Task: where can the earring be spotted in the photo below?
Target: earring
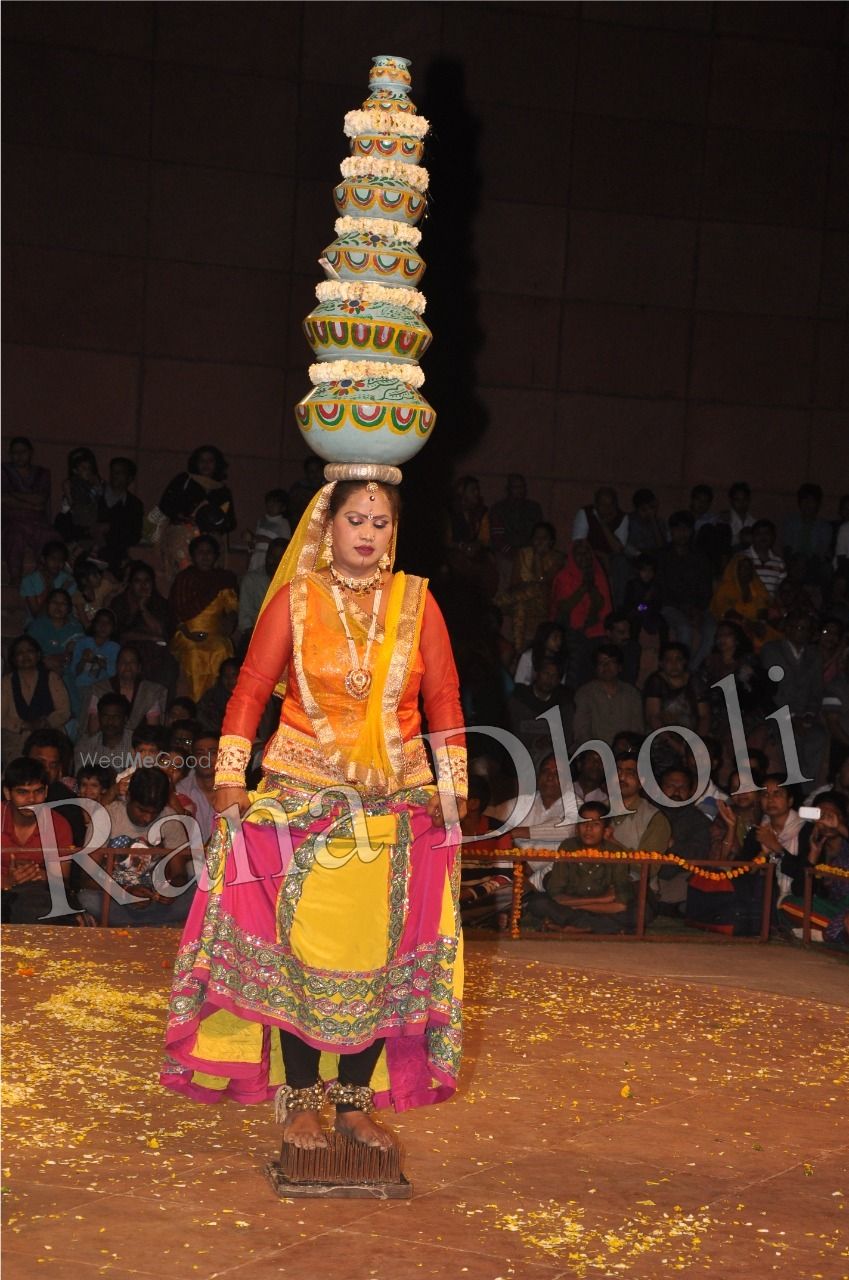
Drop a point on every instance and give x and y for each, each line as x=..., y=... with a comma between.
x=384, y=562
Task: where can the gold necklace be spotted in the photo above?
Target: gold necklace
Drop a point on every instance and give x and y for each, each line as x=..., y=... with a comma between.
x=358, y=679
x=360, y=586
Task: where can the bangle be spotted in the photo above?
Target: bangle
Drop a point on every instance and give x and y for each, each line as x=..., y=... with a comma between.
x=233, y=756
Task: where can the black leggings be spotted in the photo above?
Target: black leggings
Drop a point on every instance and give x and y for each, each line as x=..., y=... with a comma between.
x=301, y=1063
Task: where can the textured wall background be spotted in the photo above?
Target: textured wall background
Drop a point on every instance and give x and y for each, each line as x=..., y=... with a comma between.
x=649, y=245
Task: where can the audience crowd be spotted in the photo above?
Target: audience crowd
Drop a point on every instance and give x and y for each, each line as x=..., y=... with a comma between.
x=702, y=623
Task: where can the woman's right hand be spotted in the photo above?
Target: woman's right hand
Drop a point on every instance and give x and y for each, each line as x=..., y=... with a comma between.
x=225, y=797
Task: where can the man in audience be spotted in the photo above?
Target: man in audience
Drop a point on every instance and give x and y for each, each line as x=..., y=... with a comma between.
x=738, y=516
x=147, y=698
x=801, y=689
x=198, y=786
x=606, y=705
x=586, y=897
x=112, y=745
x=690, y=838
x=51, y=575
x=769, y=567
x=808, y=535
x=120, y=514
x=255, y=583
x=529, y=701
x=647, y=530
x=53, y=750
x=643, y=826
x=486, y=887
x=26, y=895
x=513, y=518
x=213, y=703
x=685, y=582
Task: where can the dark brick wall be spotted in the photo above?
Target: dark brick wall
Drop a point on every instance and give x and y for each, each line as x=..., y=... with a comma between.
x=651, y=229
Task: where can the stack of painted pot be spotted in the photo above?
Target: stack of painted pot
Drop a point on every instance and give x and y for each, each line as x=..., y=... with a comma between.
x=367, y=331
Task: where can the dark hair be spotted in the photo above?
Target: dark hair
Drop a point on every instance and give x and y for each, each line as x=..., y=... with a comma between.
x=701, y=491
x=189, y=703
x=141, y=566
x=479, y=789
x=345, y=488
x=642, y=496
x=645, y=562
x=12, y=651
x=739, y=486
x=55, y=544
x=22, y=770
x=103, y=613
x=835, y=798
x=114, y=700
x=784, y=785
x=763, y=524
x=189, y=727
x=78, y=455
x=742, y=643
x=220, y=472
x=58, y=591
x=760, y=759
x=132, y=469
x=202, y=731
x=50, y=738
x=105, y=775
x=608, y=489
x=278, y=495
x=24, y=440
x=541, y=637
x=597, y=806
x=809, y=491
x=672, y=646
x=84, y=568
x=635, y=740
x=677, y=768
x=197, y=543
x=610, y=651
x=132, y=648
x=149, y=788
x=625, y=755
x=549, y=529
x=680, y=518
x=150, y=733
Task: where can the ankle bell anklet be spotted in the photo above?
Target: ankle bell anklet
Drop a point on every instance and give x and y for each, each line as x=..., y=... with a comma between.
x=352, y=1095
x=287, y=1099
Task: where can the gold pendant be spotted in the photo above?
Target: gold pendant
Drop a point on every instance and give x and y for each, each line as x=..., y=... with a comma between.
x=358, y=682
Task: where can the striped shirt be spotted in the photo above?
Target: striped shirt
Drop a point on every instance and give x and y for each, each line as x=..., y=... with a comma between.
x=771, y=571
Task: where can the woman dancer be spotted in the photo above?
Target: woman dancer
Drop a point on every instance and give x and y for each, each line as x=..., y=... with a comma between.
x=341, y=944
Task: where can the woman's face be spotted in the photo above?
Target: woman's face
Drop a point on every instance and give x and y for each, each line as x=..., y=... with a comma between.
x=20, y=454
x=103, y=628
x=673, y=663
x=776, y=800
x=26, y=656
x=206, y=463
x=361, y=532
x=541, y=540
x=554, y=643
x=141, y=585
x=204, y=557
x=58, y=608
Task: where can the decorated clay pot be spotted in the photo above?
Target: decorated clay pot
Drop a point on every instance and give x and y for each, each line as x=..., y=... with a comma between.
x=388, y=70
x=360, y=255
x=379, y=198
x=380, y=420
x=353, y=330
x=388, y=146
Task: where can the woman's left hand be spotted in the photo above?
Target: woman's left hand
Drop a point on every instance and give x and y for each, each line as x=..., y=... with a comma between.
x=434, y=810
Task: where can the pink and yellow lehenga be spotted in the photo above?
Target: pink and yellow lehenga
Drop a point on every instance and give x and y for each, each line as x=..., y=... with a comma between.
x=332, y=914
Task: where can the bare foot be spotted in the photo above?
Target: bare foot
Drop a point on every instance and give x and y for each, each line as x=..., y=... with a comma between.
x=361, y=1128
x=303, y=1129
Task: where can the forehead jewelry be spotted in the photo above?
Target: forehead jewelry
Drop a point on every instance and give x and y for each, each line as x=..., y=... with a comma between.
x=371, y=490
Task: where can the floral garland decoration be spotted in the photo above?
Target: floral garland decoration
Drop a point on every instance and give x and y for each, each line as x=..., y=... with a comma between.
x=364, y=291
x=385, y=227
x=339, y=370
x=832, y=871
x=414, y=175
x=377, y=121
x=631, y=855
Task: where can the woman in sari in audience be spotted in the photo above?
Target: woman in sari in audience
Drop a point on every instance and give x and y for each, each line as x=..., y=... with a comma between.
x=205, y=606
x=741, y=597
x=33, y=697
x=534, y=570
x=580, y=602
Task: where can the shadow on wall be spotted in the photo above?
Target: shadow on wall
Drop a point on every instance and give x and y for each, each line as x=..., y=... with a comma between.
x=449, y=285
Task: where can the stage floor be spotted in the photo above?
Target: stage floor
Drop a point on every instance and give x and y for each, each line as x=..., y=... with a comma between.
x=626, y=1110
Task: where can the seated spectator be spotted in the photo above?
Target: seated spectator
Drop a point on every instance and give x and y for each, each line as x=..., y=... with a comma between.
x=533, y=570
x=121, y=514
x=514, y=519
x=780, y=827
x=643, y=826
x=94, y=783
x=181, y=737
x=51, y=574
x=33, y=697
x=711, y=537
x=26, y=897
x=486, y=887
x=272, y=526
x=606, y=704
x=587, y=897
x=647, y=530
x=673, y=695
x=55, y=630
x=801, y=689
x=93, y=658
x=580, y=601
x=797, y=594
x=732, y=655
x=769, y=567
x=547, y=646
x=93, y=590
x=627, y=743
x=255, y=584
x=690, y=839
x=617, y=631
x=174, y=768
x=148, y=743
x=144, y=621
x=467, y=536
x=204, y=605
x=135, y=868
x=529, y=702
x=546, y=813
x=26, y=508
x=606, y=528
x=835, y=712
x=81, y=493
x=52, y=749
x=180, y=709
x=742, y=598
x=685, y=583
x=828, y=844
x=642, y=608
x=146, y=698
x=738, y=517
x=213, y=704
x=730, y=906
x=807, y=535
x=706, y=803
x=199, y=784
x=111, y=746
x=197, y=501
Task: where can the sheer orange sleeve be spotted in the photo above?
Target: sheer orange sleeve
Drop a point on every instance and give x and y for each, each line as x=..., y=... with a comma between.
x=266, y=661
x=440, y=690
